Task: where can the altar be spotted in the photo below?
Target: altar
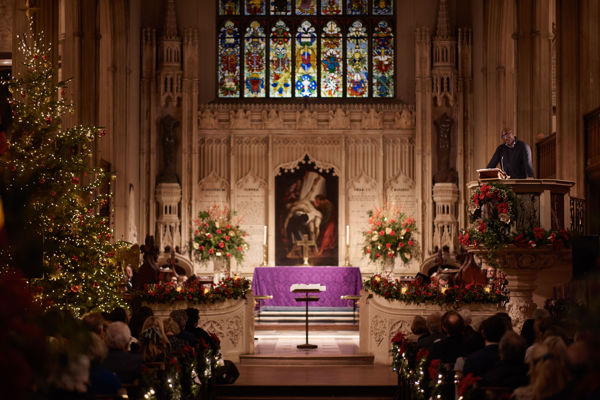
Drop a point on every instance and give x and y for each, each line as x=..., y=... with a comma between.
x=276, y=281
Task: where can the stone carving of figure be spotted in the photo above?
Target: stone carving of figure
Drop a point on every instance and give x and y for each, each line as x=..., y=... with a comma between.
x=404, y=119
x=208, y=119
x=370, y=119
x=272, y=119
x=338, y=119
x=306, y=119
x=240, y=119
x=168, y=127
x=445, y=172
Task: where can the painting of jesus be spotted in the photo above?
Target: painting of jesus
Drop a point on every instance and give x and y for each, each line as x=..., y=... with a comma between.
x=306, y=202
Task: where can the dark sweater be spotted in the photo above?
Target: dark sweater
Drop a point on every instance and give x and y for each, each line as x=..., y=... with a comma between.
x=515, y=161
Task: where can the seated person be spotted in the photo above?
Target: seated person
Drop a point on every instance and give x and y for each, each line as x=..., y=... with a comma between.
x=481, y=361
x=126, y=365
x=451, y=346
x=511, y=370
x=154, y=344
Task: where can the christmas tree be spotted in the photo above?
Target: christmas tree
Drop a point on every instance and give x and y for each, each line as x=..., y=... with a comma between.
x=47, y=173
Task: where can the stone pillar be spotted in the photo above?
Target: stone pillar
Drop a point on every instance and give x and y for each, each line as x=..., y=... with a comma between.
x=445, y=225
x=168, y=224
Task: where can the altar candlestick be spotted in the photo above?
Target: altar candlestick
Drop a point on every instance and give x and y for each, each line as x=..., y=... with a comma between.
x=265, y=236
x=347, y=235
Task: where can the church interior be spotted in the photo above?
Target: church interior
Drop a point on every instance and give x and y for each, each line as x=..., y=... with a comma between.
x=193, y=190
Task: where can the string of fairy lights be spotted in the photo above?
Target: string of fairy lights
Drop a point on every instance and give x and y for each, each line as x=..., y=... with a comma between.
x=52, y=164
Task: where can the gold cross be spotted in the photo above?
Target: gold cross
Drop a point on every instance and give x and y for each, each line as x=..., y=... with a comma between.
x=305, y=243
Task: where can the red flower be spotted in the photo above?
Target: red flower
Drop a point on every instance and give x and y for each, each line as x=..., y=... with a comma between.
x=388, y=245
x=75, y=180
x=538, y=233
x=483, y=227
x=75, y=288
x=381, y=233
x=201, y=248
x=210, y=251
x=228, y=255
x=219, y=231
x=393, y=233
x=239, y=248
x=466, y=382
x=221, y=244
x=410, y=242
x=433, y=369
x=227, y=238
x=399, y=337
x=228, y=226
x=422, y=353
x=368, y=251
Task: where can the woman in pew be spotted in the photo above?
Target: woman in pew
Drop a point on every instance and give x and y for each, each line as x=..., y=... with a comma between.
x=154, y=344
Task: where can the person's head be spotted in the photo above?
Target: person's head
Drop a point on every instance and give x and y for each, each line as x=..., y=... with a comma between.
x=419, y=325
x=180, y=317
x=493, y=328
x=137, y=319
x=490, y=273
x=528, y=332
x=98, y=349
x=95, y=322
x=153, y=340
x=171, y=327
x=508, y=136
x=193, y=318
x=466, y=315
x=118, y=314
x=512, y=348
x=506, y=318
x=434, y=322
x=556, y=345
x=444, y=280
x=547, y=373
x=117, y=336
x=452, y=323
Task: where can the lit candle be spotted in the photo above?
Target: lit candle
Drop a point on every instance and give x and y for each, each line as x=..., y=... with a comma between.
x=347, y=235
x=265, y=236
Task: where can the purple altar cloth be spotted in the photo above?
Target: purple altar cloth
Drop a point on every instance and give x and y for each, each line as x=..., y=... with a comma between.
x=276, y=281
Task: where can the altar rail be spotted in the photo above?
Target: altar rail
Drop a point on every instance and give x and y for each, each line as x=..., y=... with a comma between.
x=231, y=320
x=380, y=319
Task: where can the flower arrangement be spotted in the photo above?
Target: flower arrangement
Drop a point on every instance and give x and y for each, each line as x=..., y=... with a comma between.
x=411, y=292
x=491, y=214
x=217, y=235
x=492, y=210
x=194, y=292
x=390, y=235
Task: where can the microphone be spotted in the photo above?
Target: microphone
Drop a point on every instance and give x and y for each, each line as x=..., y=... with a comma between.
x=502, y=163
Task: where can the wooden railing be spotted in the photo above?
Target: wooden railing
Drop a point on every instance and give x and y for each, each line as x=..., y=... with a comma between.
x=546, y=157
x=577, y=212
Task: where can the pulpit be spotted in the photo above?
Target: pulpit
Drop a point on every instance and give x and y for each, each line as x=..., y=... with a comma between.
x=540, y=203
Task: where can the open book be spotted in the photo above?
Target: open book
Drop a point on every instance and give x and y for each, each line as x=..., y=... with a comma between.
x=307, y=287
x=491, y=173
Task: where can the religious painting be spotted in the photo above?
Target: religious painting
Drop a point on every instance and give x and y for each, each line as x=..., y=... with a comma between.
x=306, y=214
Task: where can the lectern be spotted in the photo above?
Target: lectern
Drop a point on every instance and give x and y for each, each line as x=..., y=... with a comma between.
x=306, y=289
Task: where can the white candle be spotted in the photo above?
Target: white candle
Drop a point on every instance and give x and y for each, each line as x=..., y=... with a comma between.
x=347, y=235
x=265, y=236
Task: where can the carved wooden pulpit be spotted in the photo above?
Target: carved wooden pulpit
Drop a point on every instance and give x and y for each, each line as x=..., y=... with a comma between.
x=541, y=203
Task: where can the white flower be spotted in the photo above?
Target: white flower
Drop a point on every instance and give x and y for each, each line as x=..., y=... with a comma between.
x=388, y=231
x=196, y=245
x=231, y=233
x=403, y=232
x=374, y=237
x=408, y=256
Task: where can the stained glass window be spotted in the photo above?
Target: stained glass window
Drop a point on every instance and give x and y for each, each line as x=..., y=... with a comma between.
x=306, y=61
x=306, y=49
x=229, y=61
x=357, y=58
x=229, y=7
x=306, y=7
x=281, y=7
x=254, y=60
x=383, y=61
x=331, y=7
x=280, y=59
x=332, y=62
x=255, y=7
x=356, y=7
x=383, y=7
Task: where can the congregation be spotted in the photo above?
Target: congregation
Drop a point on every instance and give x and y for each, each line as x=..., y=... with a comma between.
x=545, y=360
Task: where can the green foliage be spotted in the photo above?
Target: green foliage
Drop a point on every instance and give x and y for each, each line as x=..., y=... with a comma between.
x=48, y=168
x=194, y=292
x=410, y=292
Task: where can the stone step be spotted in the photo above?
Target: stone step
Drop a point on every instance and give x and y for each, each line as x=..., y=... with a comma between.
x=306, y=359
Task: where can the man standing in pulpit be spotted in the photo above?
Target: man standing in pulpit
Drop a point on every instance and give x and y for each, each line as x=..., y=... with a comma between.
x=514, y=157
